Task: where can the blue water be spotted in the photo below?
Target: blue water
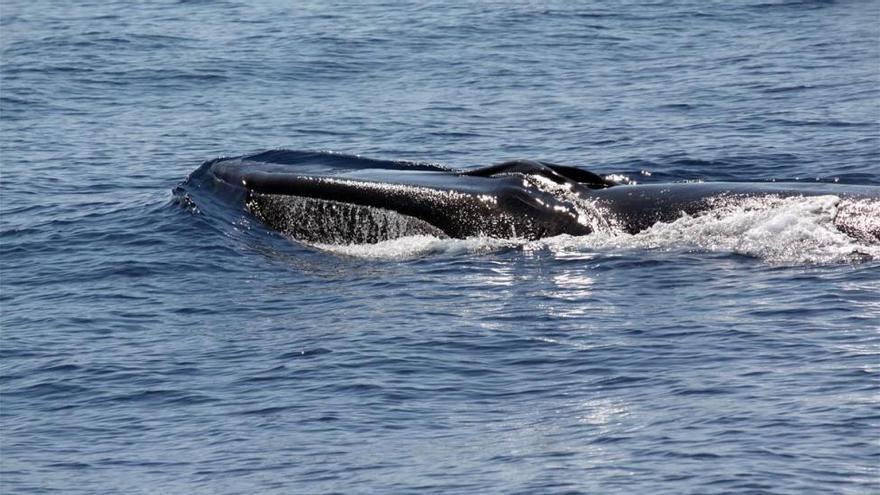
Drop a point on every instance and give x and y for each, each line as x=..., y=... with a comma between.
x=148, y=347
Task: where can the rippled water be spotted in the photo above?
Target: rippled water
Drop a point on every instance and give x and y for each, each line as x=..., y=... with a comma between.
x=146, y=348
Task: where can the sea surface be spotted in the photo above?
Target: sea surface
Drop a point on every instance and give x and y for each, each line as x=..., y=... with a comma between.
x=149, y=347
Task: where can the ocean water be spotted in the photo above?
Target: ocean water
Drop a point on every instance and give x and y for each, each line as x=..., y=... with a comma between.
x=150, y=347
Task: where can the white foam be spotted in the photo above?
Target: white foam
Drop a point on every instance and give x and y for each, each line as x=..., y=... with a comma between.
x=795, y=230
x=419, y=245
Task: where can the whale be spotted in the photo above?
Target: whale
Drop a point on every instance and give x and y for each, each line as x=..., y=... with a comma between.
x=339, y=199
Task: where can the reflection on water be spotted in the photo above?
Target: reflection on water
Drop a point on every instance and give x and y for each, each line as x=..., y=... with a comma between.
x=573, y=290
x=603, y=413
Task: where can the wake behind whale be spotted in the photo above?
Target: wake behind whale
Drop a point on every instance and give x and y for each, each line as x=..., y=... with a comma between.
x=331, y=201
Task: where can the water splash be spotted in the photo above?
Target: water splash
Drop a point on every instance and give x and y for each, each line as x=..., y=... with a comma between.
x=418, y=246
x=795, y=230
x=588, y=212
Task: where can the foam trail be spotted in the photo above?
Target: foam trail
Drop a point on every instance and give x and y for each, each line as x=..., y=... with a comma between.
x=419, y=245
x=795, y=230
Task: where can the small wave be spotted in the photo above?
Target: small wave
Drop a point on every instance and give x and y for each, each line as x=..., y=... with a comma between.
x=796, y=230
x=417, y=246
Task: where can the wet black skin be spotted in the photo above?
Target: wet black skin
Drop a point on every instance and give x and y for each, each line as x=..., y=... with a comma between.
x=520, y=198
